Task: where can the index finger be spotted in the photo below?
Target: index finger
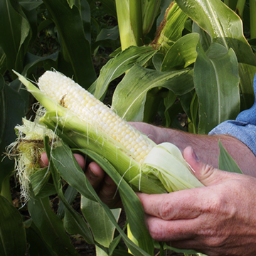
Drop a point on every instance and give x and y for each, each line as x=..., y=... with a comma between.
x=44, y=162
x=184, y=204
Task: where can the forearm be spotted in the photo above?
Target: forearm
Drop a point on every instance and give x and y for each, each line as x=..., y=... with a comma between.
x=207, y=147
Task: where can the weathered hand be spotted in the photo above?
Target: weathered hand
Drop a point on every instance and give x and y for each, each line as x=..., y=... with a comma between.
x=218, y=219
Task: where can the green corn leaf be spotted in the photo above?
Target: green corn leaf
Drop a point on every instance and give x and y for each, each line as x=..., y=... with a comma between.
x=15, y=30
x=226, y=162
x=3, y=62
x=130, y=95
x=109, y=7
x=39, y=180
x=182, y=53
x=157, y=60
x=194, y=112
x=163, y=7
x=37, y=244
x=150, y=9
x=10, y=115
x=246, y=74
x=50, y=226
x=168, y=102
x=107, y=38
x=75, y=59
x=221, y=100
x=120, y=64
x=76, y=223
x=85, y=12
x=205, y=39
x=171, y=27
x=101, y=226
x=70, y=194
x=13, y=237
x=71, y=3
x=73, y=174
x=222, y=24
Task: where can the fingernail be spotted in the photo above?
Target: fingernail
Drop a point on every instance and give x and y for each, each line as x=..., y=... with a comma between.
x=42, y=162
x=92, y=173
x=194, y=155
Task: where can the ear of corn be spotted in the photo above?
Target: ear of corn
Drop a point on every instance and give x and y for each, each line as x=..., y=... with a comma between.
x=85, y=122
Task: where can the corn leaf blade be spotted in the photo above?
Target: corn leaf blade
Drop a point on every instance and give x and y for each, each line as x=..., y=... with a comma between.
x=13, y=237
x=10, y=115
x=73, y=174
x=102, y=228
x=75, y=46
x=15, y=28
x=221, y=100
x=226, y=162
x=130, y=95
x=70, y=195
x=211, y=15
x=76, y=223
x=246, y=74
x=120, y=64
x=182, y=53
x=171, y=26
x=50, y=225
x=37, y=244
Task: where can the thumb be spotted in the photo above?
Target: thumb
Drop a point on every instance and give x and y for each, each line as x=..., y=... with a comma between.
x=205, y=173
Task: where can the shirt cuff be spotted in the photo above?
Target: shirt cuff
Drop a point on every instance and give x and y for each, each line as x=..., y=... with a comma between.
x=243, y=131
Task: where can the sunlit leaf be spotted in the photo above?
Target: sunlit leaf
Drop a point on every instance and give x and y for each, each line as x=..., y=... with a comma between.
x=118, y=65
x=222, y=24
x=130, y=95
x=182, y=53
x=171, y=27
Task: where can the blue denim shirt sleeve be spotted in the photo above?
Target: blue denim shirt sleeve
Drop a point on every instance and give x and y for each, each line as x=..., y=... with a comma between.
x=243, y=128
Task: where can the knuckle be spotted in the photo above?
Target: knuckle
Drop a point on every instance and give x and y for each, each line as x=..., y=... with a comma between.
x=208, y=170
x=165, y=211
x=156, y=232
x=215, y=242
x=212, y=237
x=214, y=204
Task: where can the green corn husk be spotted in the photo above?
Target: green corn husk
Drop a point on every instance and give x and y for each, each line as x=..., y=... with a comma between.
x=164, y=169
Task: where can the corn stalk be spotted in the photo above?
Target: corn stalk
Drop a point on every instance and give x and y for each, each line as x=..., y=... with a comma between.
x=135, y=19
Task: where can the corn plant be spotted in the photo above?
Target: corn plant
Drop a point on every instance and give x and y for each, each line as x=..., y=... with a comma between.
x=176, y=57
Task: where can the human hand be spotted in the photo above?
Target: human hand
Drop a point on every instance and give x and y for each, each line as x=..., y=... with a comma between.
x=218, y=219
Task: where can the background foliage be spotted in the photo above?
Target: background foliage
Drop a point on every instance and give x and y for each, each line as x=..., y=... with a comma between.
x=182, y=64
